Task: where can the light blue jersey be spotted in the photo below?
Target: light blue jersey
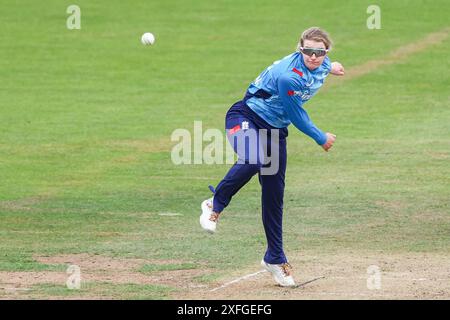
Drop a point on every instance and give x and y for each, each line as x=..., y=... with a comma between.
x=290, y=84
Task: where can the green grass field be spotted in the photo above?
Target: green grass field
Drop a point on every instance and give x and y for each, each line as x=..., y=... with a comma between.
x=86, y=118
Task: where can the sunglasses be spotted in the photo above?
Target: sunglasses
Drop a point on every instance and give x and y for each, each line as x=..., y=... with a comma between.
x=310, y=51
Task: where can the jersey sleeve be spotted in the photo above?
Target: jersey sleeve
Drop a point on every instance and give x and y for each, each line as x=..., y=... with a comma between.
x=289, y=90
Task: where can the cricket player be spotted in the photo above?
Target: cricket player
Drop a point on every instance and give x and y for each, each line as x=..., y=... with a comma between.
x=273, y=101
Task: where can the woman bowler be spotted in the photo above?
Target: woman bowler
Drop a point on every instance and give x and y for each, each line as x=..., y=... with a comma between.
x=257, y=128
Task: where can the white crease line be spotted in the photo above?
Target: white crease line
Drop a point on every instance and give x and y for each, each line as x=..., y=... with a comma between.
x=238, y=279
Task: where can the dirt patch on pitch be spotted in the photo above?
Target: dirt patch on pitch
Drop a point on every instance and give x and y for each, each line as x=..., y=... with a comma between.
x=98, y=269
x=393, y=57
x=349, y=276
x=340, y=276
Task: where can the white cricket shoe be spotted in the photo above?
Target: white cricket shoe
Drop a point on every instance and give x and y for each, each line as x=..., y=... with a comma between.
x=208, y=218
x=282, y=273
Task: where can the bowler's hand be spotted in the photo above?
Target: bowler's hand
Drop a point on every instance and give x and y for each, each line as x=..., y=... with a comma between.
x=331, y=138
x=337, y=69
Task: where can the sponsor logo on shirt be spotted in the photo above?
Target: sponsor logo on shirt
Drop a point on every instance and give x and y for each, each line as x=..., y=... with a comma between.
x=294, y=93
x=303, y=95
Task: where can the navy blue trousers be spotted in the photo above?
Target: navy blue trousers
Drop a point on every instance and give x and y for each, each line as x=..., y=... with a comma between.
x=240, y=119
